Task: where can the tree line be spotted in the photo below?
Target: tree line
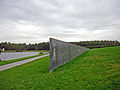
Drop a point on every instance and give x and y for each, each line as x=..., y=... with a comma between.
x=45, y=45
x=98, y=43
x=24, y=46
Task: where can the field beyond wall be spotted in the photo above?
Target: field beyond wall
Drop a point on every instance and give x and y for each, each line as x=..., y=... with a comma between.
x=96, y=69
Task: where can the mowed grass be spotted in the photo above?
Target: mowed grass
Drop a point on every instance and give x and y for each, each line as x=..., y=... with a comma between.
x=96, y=69
x=19, y=59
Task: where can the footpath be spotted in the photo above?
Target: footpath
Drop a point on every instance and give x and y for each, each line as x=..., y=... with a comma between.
x=7, y=66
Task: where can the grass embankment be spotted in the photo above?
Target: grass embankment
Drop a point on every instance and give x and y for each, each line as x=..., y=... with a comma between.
x=97, y=69
x=19, y=59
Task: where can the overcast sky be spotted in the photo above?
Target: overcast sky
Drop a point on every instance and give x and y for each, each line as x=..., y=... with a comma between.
x=34, y=21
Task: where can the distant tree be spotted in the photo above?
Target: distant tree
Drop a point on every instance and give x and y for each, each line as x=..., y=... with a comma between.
x=45, y=45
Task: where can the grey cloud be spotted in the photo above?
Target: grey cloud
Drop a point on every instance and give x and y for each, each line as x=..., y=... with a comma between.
x=59, y=18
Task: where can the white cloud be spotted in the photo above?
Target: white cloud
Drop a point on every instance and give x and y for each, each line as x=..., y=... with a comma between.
x=74, y=20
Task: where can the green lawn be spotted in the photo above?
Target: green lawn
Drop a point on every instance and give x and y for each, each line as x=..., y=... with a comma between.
x=19, y=59
x=97, y=69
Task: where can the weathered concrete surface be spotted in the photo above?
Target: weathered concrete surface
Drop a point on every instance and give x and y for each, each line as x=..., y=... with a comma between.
x=7, y=66
x=62, y=52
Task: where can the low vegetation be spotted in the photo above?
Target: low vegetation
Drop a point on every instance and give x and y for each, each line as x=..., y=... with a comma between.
x=97, y=69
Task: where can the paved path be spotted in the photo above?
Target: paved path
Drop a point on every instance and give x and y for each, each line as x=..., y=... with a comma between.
x=7, y=66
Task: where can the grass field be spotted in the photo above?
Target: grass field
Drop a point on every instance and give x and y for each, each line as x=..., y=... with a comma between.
x=97, y=69
x=19, y=59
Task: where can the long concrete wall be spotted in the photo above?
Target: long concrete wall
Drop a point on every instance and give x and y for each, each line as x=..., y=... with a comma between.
x=62, y=52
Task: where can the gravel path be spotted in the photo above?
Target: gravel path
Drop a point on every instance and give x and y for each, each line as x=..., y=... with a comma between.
x=7, y=66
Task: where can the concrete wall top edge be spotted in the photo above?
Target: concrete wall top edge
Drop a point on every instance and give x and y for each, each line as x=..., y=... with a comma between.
x=65, y=42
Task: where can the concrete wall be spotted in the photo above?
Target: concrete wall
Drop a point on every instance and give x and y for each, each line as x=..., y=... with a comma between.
x=62, y=52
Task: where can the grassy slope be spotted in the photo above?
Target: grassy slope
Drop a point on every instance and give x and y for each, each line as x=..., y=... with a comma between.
x=96, y=69
x=19, y=59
